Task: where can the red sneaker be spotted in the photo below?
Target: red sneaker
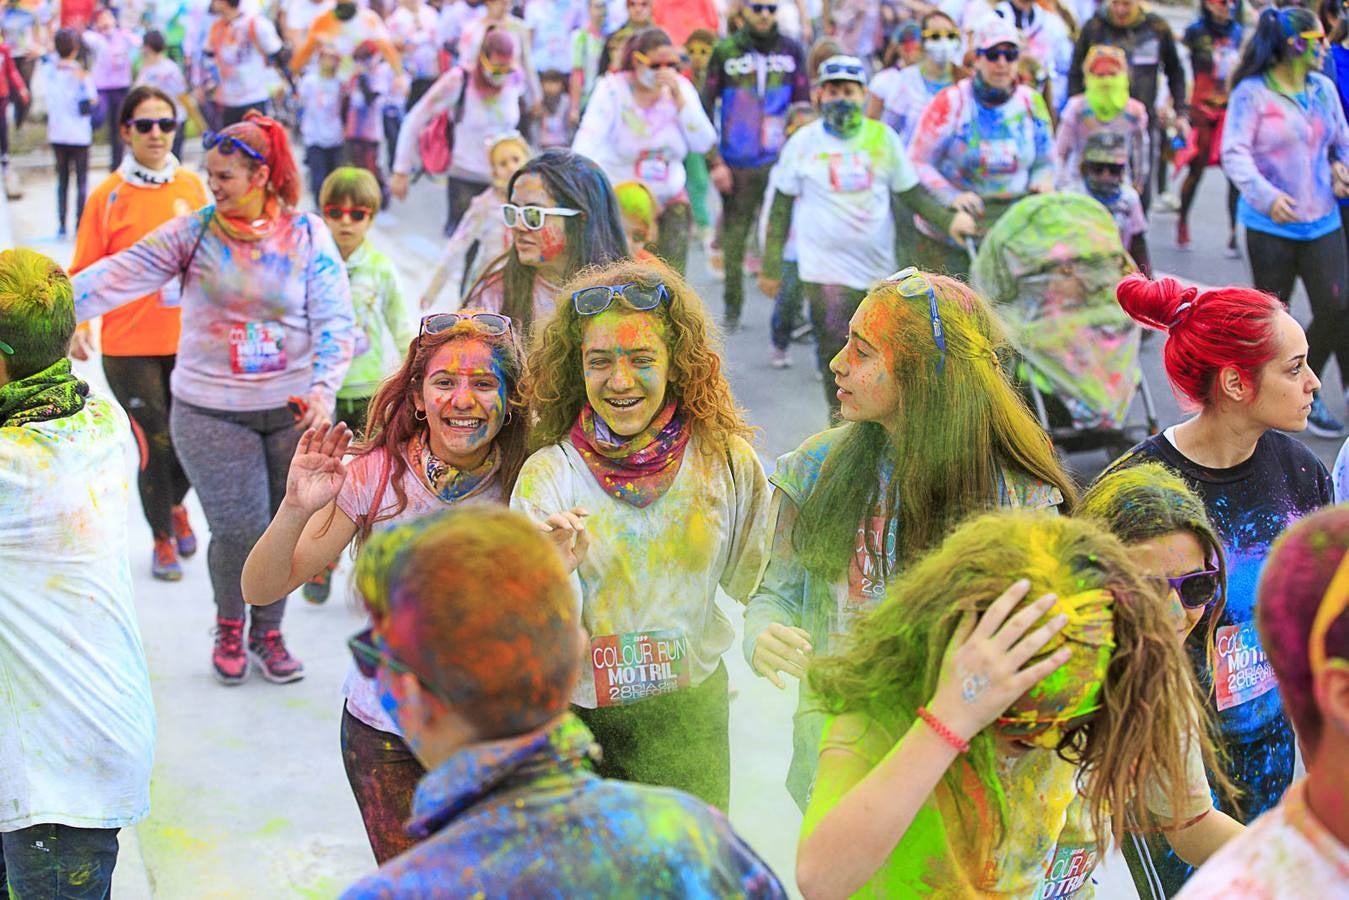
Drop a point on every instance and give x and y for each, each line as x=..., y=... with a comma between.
x=182, y=532
x=1183, y=235
x=269, y=651
x=229, y=659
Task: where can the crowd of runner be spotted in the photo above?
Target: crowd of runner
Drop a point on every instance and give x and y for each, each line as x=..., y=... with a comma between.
x=547, y=480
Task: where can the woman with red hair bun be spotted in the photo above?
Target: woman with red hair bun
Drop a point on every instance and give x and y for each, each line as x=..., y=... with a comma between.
x=267, y=335
x=1239, y=358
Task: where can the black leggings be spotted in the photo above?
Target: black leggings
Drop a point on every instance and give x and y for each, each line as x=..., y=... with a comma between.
x=738, y=211
x=25, y=66
x=141, y=385
x=460, y=193
x=71, y=158
x=1205, y=133
x=111, y=101
x=1323, y=266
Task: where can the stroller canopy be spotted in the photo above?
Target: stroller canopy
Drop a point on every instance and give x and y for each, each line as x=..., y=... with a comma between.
x=1050, y=266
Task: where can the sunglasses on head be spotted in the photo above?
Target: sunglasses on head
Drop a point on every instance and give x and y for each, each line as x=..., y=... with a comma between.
x=1001, y=53
x=1195, y=589
x=370, y=656
x=592, y=301
x=762, y=8
x=532, y=216
x=913, y=283
x=1104, y=168
x=941, y=35
x=143, y=126
x=228, y=144
x=356, y=213
x=833, y=71
x=646, y=61
x=492, y=323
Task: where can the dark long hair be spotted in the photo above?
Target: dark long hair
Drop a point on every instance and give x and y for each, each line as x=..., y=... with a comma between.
x=594, y=238
x=1269, y=46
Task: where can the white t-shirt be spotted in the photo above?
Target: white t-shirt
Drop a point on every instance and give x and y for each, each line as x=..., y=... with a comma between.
x=414, y=33
x=241, y=49
x=77, y=721
x=67, y=85
x=647, y=145
x=321, y=100
x=300, y=14
x=355, y=498
x=165, y=75
x=1286, y=852
x=551, y=23
x=904, y=94
x=844, y=228
x=657, y=569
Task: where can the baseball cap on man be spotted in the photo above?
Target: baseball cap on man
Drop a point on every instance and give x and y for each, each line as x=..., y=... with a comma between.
x=994, y=31
x=842, y=68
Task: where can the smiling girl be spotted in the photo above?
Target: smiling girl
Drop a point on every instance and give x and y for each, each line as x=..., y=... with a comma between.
x=646, y=482
x=1241, y=359
x=446, y=428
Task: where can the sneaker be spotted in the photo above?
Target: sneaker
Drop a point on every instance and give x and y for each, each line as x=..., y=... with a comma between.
x=1232, y=251
x=716, y=265
x=182, y=532
x=317, y=589
x=269, y=651
x=1167, y=203
x=730, y=325
x=1321, y=423
x=781, y=359
x=1182, y=235
x=803, y=334
x=229, y=659
x=164, y=561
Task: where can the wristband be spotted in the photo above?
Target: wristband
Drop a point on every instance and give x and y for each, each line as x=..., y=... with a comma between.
x=942, y=731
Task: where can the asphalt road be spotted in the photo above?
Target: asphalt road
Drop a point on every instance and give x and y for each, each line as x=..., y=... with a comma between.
x=249, y=796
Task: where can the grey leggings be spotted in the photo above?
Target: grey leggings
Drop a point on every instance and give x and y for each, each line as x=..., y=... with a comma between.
x=238, y=462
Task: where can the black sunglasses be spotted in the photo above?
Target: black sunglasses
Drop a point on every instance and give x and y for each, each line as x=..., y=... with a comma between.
x=1195, y=589
x=998, y=54
x=762, y=8
x=369, y=658
x=1100, y=168
x=592, y=301
x=167, y=126
x=941, y=35
x=228, y=143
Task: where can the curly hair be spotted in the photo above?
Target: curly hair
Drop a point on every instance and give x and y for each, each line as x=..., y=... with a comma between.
x=391, y=425
x=891, y=661
x=956, y=427
x=555, y=376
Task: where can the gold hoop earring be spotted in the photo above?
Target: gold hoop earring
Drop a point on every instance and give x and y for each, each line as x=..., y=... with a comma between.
x=419, y=415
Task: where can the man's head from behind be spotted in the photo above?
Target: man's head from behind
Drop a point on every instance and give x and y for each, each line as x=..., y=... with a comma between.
x=478, y=627
x=37, y=314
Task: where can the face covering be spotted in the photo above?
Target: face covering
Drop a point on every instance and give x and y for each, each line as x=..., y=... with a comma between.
x=1107, y=94
x=345, y=11
x=942, y=52
x=989, y=95
x=646, y=78
x=842, y=118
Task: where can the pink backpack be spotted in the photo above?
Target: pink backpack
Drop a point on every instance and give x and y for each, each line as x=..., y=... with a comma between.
x=436, y=140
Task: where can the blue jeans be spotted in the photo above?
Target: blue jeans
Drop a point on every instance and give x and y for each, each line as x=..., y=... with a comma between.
x=47, y=861
x=787, y=313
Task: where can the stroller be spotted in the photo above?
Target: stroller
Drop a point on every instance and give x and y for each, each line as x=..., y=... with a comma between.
x=1049, y=266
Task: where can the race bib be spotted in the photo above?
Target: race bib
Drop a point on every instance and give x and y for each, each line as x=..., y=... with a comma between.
x=866, y=580
x=1225, y=56
x=1242, y=672
x=1067, y=870
x=1146, y=53
x=997, y=157
x=634, y=666
x=652, y=167
x=257, y=347
x=850, y=172
x=773, y=133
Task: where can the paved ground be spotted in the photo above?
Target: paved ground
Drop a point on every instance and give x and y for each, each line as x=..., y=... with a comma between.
x=249, y=795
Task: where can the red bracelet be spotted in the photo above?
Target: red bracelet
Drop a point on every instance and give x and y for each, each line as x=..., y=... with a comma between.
x=942, y=731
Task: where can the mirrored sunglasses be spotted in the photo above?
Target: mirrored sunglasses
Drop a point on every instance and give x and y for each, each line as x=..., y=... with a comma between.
x=592, y=301
x=832, y=71
x=143, y=126
x=912, y=283
x=356, y=213
x=228, y=144
x=532, y=216
x=492, y=323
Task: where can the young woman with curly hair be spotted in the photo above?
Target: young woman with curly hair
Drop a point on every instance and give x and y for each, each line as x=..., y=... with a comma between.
x=447, y=428
x=647, y=483
x=1168, y=533
x=975, y=734
x=933, y=433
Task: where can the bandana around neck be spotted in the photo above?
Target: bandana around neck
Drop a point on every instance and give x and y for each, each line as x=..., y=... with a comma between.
x=448, y=483
x=53, y=393
x=255, y=229
x=637, y=470
x=135, y=174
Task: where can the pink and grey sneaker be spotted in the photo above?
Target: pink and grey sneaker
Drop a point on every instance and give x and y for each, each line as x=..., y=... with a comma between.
x=268, y=650
x=182, y=532
x=229, y=659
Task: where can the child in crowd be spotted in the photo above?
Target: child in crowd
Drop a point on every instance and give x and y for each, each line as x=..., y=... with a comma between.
x=321, y=129
x=698, y=49
x=71, y=100
x=1102, y=176
x=349, y=198
x=1105, y=105
x=787, y=311
x=363, y=98
x=554, y=128
x=637, y=205
x=587, y=44
x=158, y=70
x=481, y=235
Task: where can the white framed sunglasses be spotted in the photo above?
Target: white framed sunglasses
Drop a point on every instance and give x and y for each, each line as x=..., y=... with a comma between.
x=532, y=216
